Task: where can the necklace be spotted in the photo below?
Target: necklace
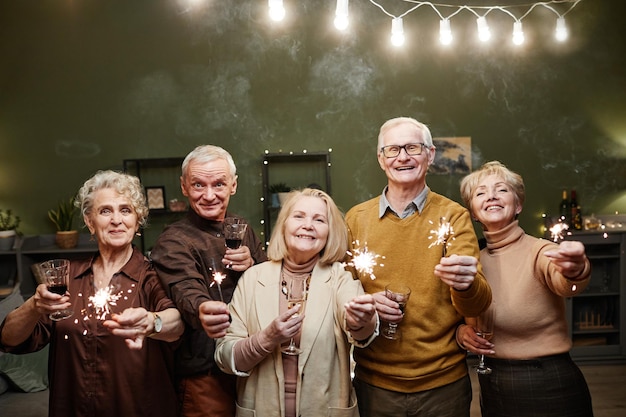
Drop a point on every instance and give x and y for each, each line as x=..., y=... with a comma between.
x=283, y=284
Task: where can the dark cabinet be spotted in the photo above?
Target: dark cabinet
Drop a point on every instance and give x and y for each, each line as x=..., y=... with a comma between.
x=296, y=170
x=596, y=316
x=16, y=265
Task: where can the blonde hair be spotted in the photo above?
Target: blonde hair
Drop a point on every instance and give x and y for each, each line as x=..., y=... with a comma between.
x=512, y=179
x=127, y=185
x=337, y=242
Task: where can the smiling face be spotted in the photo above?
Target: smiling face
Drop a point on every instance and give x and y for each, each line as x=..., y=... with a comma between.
x=405, y=170
x=208, y=186
x=112, y=219
x=306, y=229
x=494, y=204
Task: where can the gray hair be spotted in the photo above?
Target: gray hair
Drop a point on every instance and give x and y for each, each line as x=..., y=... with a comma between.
x=419, y=127
x=208, y=153
x=127, y=185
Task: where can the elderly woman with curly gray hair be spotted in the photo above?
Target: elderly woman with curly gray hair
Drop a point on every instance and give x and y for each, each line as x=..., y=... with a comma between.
x=115, y=361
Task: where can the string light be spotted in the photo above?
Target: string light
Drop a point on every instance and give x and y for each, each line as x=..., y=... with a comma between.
x=484, y=34
x=276, y=10
x=561, y=30
x=518, y=33
x=397, y=32
x=445, y=33
x=341, y=15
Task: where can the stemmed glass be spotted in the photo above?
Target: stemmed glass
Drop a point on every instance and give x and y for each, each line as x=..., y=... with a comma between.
x=296, y=295
x=484, y=329
x=57, y=274
x=234, y=231
x=400, y=294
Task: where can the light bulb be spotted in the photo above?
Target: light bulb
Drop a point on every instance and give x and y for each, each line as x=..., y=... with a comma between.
x=397, y=32
x=341, y=15
x=518, y=33
x=445, y=33
x=277, y=11
x=561, y=30
x=484, y=34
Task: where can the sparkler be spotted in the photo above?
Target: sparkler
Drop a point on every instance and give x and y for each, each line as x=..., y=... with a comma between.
x=363, y=260
x=102, y=301
x=218, y=277
x=557, y=230
x=442, y=235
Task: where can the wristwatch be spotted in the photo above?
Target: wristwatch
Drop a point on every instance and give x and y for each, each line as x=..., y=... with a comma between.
x=158, y=325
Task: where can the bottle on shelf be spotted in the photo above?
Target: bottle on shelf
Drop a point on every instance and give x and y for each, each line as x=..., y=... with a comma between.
x=564, y=209
x=576, y=220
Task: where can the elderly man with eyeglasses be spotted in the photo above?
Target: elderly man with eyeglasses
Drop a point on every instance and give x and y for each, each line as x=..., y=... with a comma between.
x=424, y=371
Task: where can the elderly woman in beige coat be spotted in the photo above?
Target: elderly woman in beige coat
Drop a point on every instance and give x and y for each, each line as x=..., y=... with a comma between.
x=308, y=242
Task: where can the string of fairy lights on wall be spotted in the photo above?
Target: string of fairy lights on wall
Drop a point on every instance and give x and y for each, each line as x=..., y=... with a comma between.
x=446, y=12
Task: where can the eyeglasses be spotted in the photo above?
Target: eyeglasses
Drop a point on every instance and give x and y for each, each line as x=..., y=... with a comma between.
x=412, y=149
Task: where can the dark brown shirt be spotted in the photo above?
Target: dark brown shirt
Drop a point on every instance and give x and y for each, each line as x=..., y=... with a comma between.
x=182, y=256
x=93, y=373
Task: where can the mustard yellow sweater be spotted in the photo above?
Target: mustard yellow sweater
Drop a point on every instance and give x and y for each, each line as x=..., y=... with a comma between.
x=427, y=356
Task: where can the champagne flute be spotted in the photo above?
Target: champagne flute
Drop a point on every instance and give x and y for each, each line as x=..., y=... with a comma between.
x=400, y=294
x=484, y=329
x=297, y=295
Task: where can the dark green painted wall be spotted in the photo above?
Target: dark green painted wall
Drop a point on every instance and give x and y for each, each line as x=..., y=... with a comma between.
x=87, y=84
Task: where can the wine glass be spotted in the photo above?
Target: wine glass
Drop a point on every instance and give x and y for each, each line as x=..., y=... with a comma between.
x=400, y=294
x=484, y=329
x=57, y=275
x=234, y=231
x=296, y=295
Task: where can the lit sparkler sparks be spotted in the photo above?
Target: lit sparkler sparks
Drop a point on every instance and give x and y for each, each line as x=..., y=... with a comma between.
x=442, y=235
x=363, y=260
x=557, y=230
x=218, y=277
x=102, y=301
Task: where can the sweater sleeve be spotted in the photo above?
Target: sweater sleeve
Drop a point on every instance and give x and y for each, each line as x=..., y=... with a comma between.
x=553, y=279
x=476, y=299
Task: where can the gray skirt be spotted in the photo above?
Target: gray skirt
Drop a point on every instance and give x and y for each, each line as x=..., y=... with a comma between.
x=551, y=386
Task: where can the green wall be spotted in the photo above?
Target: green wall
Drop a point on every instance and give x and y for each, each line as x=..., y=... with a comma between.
x=87, y=84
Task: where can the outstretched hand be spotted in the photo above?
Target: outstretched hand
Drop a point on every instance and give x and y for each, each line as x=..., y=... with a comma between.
x=457, y=271
x=569, y=259
x=215, y=318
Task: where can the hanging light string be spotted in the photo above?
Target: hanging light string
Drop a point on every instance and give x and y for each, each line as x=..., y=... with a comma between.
x=277, y=13
x=481, y=12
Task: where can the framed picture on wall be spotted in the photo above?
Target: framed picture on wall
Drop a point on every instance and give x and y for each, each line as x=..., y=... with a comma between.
x=156, y=197
x=453, y=156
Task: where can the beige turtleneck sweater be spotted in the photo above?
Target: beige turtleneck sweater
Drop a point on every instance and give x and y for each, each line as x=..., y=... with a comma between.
x=528, y=293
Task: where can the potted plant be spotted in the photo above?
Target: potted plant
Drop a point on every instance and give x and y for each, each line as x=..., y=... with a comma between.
x=8, y=229
x=63, y=219
x=279, y=193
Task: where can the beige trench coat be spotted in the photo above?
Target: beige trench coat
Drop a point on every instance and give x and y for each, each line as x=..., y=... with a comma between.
x=324, y=386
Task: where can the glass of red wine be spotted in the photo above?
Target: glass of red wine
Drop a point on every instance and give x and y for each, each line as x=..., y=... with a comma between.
x=234, y=231
x=57, y=274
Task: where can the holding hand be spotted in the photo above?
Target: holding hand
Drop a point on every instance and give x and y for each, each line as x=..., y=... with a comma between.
x=467, y=336
x=215, y=318
x=284, y=327
x=238, y=259
x=47, y=302
x=133, y=324
x=388, y=310
x=361, y=316
x=457, y=271
x=569, y=259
